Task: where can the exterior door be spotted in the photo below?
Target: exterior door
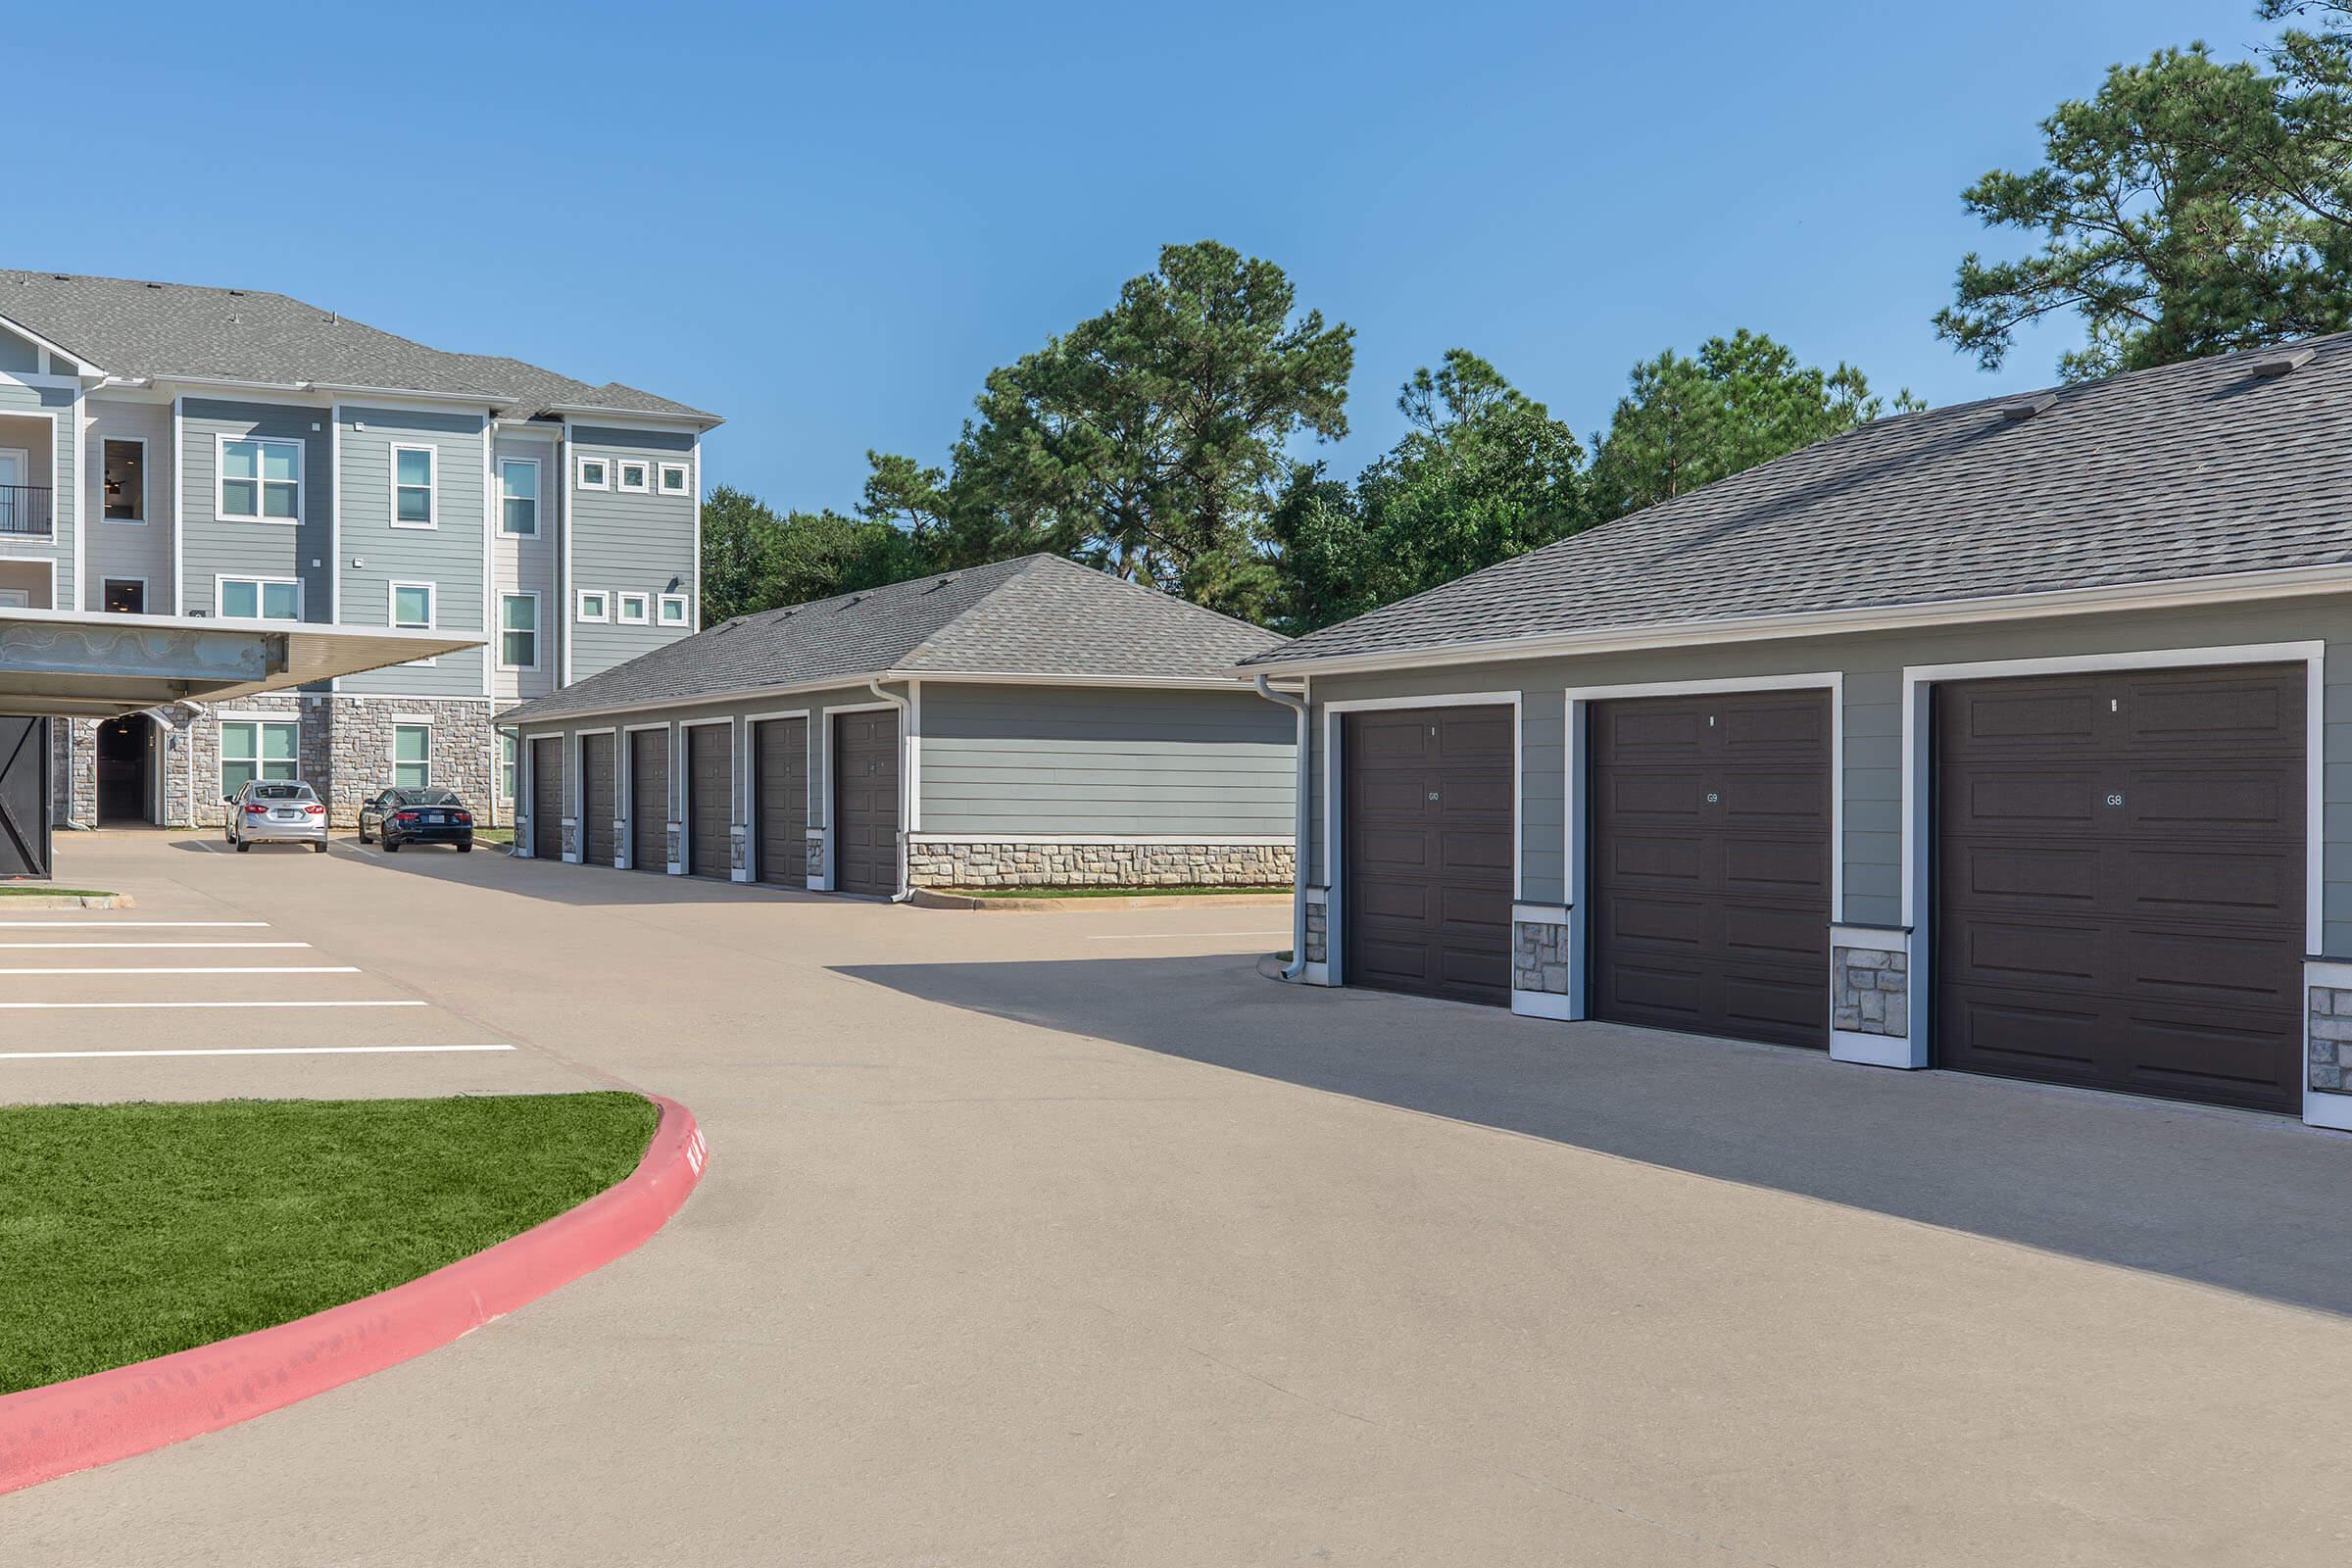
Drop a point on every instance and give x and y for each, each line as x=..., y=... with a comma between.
x=1428, y=851
x=780, y=764
x=546, y=799
x=710, y=799
x=2120, y=881
x=648, y=800
x=596, y=799
x=1710, y=865
x=25, y=807
x=122, y=762
x=21, y=511
x=865, y=803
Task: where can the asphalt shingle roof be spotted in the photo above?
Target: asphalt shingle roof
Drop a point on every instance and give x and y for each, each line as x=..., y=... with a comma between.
x=2187, y=470
x=1037, y=615
x=135, y=328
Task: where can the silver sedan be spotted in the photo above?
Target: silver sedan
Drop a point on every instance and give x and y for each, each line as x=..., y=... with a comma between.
x=271, y=813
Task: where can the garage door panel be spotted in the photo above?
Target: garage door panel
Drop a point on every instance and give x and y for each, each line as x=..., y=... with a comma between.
x=648, y=800
x=865, y=802
x=780, y=782
x=1427, y=833
x=1720, y=922
x=2033, y=720
x=546, y=799
x=597, y=797
x=2130, y=916
x=709, y=800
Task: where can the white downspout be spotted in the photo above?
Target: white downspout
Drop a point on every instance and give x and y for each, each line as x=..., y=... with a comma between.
x=905, y=787
x=1299, y=706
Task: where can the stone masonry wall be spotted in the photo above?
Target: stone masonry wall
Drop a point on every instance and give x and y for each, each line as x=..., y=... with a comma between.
x=1017, y=865
x=359, y=749
x=1539, y=956
x=2331, y=1034
x=1870, y=991
x=1318, y=931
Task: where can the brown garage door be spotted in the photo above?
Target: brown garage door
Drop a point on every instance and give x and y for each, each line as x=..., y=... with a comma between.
x=780, y=759
x=2120, y=881
x=865, y=803
x=648, y=800
x=546, y=799
x=710, y=799
x=1427, y=886
x=1710, y=865
x=596, y=798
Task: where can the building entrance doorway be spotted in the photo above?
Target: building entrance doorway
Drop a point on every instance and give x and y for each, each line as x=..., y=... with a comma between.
x=126, y=750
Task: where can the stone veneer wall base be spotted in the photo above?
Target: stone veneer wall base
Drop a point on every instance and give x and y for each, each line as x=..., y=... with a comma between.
x=1050, y=863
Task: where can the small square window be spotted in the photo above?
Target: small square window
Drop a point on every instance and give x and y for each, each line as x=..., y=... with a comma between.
x=412, y=606
x=595, y=475
x=672, y=610
x=594, y=606
x=677, y=479
x=631, y=609
x=633, y=476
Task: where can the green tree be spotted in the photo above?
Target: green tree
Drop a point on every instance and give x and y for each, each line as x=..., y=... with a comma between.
x=2190, y=208
x=754, y=559
x=738, y=539
x=1150, y=439
x=1744, y=400
x=1483, y=473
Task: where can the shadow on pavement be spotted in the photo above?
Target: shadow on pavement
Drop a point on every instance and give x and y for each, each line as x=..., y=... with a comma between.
x=2248, y=1204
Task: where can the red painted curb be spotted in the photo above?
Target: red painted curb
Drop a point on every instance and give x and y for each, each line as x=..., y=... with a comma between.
x=54, y=1431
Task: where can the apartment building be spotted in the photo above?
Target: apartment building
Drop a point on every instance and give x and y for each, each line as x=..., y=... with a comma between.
x=231, y=454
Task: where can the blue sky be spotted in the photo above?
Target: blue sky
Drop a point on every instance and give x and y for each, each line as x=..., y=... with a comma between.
x=829, y=222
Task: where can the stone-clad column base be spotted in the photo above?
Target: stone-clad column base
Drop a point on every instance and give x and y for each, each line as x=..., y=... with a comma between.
x=1872, y=1019
x=1318, y=970
x=1544, y=963
x=2328, y=1043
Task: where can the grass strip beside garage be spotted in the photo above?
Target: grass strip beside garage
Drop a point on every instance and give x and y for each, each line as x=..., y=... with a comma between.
x=132, y=1231
x=42, y=890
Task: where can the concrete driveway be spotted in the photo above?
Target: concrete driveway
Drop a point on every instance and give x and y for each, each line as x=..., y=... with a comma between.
x=1068, y=1240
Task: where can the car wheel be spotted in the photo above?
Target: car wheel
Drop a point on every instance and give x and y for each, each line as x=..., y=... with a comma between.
x=319, y=846
x=466, y=848
x=362, y=830
x=391, y=845
x=243, y=846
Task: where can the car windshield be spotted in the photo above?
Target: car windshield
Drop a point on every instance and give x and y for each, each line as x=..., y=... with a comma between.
x=282, y=792
x=427, y=797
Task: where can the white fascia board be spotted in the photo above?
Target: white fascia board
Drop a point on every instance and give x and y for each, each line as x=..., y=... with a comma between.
x=346, y=391
x=632, y=418
x=2174, y=593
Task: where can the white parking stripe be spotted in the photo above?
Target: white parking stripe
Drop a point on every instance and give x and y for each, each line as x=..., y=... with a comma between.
x=99, y=922
x=27, y=1006
x=119, y=947
x=246, y=1051
x=234, y=968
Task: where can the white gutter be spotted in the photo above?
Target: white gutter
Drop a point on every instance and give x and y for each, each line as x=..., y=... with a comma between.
x=2243, y=587
x=1299, y=706
x=905, y=787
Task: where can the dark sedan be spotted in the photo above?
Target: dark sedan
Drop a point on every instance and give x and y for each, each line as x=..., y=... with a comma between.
x=417, y=816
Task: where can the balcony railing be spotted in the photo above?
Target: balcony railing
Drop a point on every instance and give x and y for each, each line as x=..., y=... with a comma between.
x=23, y=510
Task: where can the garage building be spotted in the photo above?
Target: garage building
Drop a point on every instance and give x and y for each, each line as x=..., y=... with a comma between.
x=1033, y=722
x=1993, y=737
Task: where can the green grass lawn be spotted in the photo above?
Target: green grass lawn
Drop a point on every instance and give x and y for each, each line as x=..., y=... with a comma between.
x=503, y=837
x=132, y=1231
x=1104, y=893
x=41, y=890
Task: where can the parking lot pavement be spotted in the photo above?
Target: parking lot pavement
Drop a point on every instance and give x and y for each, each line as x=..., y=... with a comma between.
x=1017, y=1246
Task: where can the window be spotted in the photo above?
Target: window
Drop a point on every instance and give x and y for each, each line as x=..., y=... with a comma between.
x=506, y=768
x=126, y=480
x=675, y=479
x=124, y=596
x=413, y=487
x=260, y=481
x=672, y=610
x=633, y=609
x=411, y=755
x=594, y=606
x=518, y=631
x=518, y=497
x=258, y=598
x=412, y=606
x=257, y=749
x=632, y=475
x=595, y=475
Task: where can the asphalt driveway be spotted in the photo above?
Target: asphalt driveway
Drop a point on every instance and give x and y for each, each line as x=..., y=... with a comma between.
x=1068, y=1240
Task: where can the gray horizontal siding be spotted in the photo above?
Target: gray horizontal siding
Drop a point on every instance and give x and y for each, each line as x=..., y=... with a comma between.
x=1094, y=760
x=43, y=438
x=449, y=555
x=212, y=546
x=626, y=542
x=122, y=548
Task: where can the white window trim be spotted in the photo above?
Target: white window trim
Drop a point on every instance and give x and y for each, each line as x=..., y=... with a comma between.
x=662, y=606
x=259, y=583
x=302, y=463
x=603, y=617
x=146, y=490
x=538, y=490
x=579, y=473
x=392, y=751
x=432, y=613
x=502, y=629
x=432, y=483
x=661, y=473
x=644, y=466
x=620, y=609
x=221, y=748
x=508, y=760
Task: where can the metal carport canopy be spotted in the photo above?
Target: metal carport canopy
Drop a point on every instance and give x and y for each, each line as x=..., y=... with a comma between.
x=81, y=665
